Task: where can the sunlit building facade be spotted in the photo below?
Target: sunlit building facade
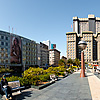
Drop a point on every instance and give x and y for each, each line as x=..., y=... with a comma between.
x=28, y=50
x=87, y=29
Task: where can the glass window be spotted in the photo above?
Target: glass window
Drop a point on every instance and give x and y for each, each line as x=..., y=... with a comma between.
x=6, y=44
x=2, y=49
x=2, y=37
x=6, y=61
x=2, y=43
x=6, y=49
x=6, y=38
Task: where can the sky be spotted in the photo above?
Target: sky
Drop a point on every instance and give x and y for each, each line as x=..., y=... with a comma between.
x=42, y=20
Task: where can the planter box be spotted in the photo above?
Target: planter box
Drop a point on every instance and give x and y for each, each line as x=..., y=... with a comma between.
x=43, y=85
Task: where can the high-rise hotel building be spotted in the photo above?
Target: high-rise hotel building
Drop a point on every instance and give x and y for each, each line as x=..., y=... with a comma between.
x=87, y=29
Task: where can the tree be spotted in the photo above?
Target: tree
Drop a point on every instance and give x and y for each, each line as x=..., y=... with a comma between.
x=61, y=62
x=70, y=61
x=77, y=62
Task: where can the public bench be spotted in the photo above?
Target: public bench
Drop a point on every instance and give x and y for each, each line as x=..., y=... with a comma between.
x=53, y=77
x=15, y=86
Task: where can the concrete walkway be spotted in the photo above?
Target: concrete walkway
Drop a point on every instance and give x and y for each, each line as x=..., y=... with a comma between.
x=70, y=88
x=94, y=83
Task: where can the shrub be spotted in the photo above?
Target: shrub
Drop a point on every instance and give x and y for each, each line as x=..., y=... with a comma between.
x=3, y=70
x=45, y=77
x=74, y=67
x=61, y=73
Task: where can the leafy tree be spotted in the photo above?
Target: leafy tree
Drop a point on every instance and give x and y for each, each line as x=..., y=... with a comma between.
x=77, y=62
x=61, y=62
x=70, y=62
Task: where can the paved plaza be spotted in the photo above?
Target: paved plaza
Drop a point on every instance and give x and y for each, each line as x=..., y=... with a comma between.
x=70, y=88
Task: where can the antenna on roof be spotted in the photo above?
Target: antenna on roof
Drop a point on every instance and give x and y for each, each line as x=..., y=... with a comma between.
x=9, y=29
x=12, y=29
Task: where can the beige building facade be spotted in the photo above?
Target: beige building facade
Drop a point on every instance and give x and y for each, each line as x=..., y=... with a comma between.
x=54, y=57
x=87, y=29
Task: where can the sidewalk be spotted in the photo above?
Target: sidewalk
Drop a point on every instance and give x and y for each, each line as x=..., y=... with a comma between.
x=70, y=88
x=94, y=83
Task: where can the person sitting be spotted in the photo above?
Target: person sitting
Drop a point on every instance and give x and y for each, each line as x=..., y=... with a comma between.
x=5, y=88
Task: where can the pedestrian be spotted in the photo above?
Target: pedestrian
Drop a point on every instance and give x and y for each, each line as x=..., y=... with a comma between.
x=5, y=88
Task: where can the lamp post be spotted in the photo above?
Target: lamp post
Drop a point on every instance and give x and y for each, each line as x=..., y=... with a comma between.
x=82, y=45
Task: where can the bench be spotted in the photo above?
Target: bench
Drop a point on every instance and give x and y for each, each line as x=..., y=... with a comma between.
x=53, y=77
x=66, y=74
x=15, y=86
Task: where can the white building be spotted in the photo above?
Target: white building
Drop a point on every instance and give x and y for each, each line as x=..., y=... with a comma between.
x=54, y=57
x=48, y=43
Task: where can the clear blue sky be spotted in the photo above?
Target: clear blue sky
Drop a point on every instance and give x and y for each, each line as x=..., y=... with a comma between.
x=42, y=20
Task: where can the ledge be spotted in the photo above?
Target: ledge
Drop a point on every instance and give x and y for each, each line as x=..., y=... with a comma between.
x=42, y=86
x=71, y=33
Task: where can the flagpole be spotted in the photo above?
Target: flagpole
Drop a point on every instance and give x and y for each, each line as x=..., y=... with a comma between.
x=71, y=27
x=9, y=29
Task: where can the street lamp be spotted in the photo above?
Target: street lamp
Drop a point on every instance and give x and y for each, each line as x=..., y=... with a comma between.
x=82, y=45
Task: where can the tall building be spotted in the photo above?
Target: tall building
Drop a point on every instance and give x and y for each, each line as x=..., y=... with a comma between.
x=16, y=50
x=38, y=54
x=44, y=55
x=91, y=23
x=54, y=57
x=87, y=29
x=48, y=43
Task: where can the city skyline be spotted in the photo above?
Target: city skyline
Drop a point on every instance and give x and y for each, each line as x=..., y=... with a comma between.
x=42, y=20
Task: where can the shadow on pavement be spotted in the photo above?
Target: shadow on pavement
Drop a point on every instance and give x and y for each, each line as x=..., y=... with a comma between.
x=22, y=95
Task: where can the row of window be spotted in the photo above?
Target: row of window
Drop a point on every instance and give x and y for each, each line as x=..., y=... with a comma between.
x=71, y=50
x=2, y=61
x=4, y=37
x=87, y=35
x=71, y=35
x=3, y=43
x=71, y=45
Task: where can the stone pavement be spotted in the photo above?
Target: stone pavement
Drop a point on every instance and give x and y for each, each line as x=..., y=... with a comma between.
x=70, y=88
x=94, y=83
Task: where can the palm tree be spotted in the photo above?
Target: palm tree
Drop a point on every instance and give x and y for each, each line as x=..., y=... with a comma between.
x=77, y=62
x=61, y=62
x=70, y=61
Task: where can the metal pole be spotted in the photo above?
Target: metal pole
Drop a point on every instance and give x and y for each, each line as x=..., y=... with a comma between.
x=82, y=74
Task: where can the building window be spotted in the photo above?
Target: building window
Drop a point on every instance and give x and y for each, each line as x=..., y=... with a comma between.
x=2, y=49
x=6, y=38
x=6, y=61
x=6, y=49
x=2, y=61
x=6, y=55
x=2, y=55
x=2, y=37
x=6, y=44
x=2, y=43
